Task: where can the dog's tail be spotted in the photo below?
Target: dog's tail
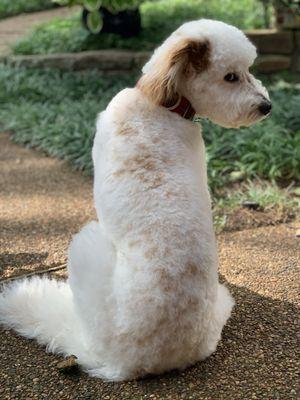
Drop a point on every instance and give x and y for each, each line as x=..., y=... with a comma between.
x=43, y=309
x=59, y=314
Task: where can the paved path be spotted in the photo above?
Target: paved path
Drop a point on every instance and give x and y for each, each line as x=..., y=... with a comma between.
x=43, y=202
x=14, y=28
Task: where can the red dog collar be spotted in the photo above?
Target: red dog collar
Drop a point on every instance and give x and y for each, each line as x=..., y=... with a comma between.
x=182, y=107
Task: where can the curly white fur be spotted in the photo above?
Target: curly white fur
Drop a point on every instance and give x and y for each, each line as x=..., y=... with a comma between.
x=143, y=293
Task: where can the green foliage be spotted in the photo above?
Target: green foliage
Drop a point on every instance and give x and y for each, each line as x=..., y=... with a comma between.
x=267, y=194
x=281, y=202
x=159, y=19
x=292, y=5
x=92, y=5
x=94, y=19
x=56, y=112
x=59, y=35
x=9, y=8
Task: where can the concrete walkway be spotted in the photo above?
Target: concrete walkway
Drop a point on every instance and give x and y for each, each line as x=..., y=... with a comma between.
x=14, y=28
x=43, y=202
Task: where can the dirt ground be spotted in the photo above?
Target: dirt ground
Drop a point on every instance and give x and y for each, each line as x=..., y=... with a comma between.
x=14, y=28
x=43, y=202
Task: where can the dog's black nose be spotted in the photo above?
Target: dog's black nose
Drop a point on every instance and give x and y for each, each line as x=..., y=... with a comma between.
x=265, y=107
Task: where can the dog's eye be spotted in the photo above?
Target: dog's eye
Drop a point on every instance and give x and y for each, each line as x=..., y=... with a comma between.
x=231, y=77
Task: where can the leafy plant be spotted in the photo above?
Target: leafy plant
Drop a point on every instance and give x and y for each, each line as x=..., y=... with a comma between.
x=94, y=19
x=159, y=19
x=56, y=112
x=9, y=8
x=293, y=5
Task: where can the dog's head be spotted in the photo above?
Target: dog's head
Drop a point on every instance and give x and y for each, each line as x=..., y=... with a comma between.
x=208, y=62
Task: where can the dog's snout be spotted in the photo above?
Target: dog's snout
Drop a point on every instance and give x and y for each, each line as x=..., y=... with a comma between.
x=265, y=107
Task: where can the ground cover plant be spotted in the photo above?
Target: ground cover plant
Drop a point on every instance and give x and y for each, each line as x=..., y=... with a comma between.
x=267, y=204
x=159, y=19
x=55, y=111
x=9, y=8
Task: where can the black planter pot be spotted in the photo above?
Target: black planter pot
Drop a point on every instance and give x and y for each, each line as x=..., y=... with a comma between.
x=125, y=23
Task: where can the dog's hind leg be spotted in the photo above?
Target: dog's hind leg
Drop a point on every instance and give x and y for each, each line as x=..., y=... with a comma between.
x=220, y=314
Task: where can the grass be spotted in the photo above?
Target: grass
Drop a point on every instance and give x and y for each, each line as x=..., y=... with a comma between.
x=9, y=8
x=275, y=205
x=159, y=19
x=266, y=194
x=55, y=111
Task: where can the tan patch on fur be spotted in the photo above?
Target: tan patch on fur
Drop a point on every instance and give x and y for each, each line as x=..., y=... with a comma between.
x=185, y=57
x=125, y=131
x=146, y=232
x=144, y=168
x=191, y=269
x=151, y=252
x=142, y=146
x=169, y=193
x=119, y=173
x=164, y=280
x=137, y=164
x=156, y=181
x=152, y=181
x=167, y=252
x=145, y=162
x=134, y=243
x=141, y=342
x=192, y=302
x=168, y=161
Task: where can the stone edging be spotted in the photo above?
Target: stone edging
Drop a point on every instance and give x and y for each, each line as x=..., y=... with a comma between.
x=277, y=51
x=105, y=60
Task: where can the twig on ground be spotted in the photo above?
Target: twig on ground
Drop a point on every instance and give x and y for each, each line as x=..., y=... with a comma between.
x=38, y=272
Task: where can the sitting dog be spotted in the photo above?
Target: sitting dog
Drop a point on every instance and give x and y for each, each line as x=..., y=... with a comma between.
x=143, y=295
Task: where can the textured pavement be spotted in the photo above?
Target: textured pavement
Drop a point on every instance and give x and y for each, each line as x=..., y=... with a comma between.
x=43, y=202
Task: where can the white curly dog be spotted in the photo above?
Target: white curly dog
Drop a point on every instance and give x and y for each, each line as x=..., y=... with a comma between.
x=143, y=294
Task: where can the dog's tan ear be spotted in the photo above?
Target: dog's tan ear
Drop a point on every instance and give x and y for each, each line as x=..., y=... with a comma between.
x=187, y=56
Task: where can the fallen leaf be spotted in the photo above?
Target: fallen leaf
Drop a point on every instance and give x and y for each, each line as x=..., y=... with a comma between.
x=69, y=364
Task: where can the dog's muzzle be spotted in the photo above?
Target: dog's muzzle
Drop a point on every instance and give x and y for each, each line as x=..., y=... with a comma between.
x=265, y=107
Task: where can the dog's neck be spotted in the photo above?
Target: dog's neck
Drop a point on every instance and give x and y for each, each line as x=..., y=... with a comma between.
x=181, y=106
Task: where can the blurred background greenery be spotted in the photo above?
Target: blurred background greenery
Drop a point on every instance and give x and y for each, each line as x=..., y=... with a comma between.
x=158, y=19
